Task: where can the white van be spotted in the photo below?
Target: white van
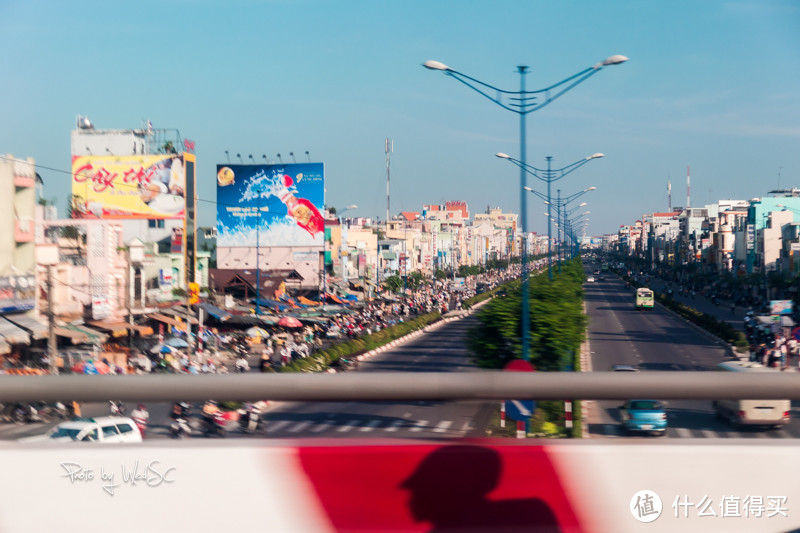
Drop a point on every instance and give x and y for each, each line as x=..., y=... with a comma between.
x=773, y=413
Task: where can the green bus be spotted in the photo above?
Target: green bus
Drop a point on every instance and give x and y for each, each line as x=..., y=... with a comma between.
x=644, y=298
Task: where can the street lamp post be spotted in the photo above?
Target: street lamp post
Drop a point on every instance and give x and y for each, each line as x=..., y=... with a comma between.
x=341, y=240
x=561, y=201
x=549, y=175
x=523, y=102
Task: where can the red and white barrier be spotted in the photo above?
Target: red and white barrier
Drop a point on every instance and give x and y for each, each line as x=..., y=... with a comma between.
x=348, y=485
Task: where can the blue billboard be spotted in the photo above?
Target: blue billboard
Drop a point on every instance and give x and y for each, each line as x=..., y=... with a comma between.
x=270, y=205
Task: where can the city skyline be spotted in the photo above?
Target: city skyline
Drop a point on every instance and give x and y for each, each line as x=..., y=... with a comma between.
x=708, y=86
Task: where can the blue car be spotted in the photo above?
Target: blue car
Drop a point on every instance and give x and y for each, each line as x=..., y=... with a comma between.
x=644, y=416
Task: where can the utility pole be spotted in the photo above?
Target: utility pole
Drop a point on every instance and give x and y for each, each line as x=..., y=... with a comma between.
x=52, y=348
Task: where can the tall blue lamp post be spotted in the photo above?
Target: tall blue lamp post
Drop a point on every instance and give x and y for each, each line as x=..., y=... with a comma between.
x=549, y=175
x=523, y=102
x=559, y=203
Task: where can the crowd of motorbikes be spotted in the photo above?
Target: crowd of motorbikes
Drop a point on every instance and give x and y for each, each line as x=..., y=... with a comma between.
x=30, y=412
x=212, y=420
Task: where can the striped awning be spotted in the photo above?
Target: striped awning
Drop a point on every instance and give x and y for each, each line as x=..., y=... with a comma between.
x=36, y=328
x=13, y=334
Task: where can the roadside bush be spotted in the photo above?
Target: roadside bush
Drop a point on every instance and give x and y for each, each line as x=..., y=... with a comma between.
x=320, y=360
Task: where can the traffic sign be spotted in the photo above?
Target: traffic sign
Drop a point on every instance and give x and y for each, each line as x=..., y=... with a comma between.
x=520, y=410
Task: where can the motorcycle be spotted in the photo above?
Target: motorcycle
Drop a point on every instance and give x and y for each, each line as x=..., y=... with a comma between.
x=21, y=413
x=215, y=424
x=179, y=427
x=250, y=419
x=116, y=408
x=242, y=366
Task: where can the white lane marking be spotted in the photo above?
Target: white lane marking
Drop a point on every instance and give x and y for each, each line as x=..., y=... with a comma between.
x=443, y=426
x=683, y=433
x=278, y=425
x=348, y=426
x=323, y=426
x=782, y=434
x=394, y=425
x=419, y=425
x=371, y=425
x=707, y=433
x=298, y=427
x=466, y=428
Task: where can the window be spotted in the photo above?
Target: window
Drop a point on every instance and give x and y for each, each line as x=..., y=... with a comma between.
x=110, y=431
x=155, y=223
x=125, y=428
x=90, y=436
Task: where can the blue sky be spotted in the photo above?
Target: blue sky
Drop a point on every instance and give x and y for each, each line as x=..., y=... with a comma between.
x=713, y=85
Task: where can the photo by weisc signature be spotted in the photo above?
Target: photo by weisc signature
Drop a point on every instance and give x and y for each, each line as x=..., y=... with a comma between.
x=150, y=474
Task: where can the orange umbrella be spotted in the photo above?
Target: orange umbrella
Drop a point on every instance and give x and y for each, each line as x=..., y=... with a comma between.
x=290, y=322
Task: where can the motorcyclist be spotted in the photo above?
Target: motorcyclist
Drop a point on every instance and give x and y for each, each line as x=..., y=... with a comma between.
x=242, y=365
x=181, y=411
x=140, y=416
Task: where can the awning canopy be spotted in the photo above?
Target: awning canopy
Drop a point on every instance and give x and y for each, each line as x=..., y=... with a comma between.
x=80, y=334
x=117, y=329
x=37, y=329
x=13, y=334
x=167, y=320
x=216, y=312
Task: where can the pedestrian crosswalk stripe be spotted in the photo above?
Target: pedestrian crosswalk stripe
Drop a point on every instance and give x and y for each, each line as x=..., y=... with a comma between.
x=299, y=427
x=278, y=425
x=371, y=425
x=394, y=425
x=442, y=426
x=683, y=432
x=708, y=433
x=322, y=426
x=348, y=426
x=419, y=425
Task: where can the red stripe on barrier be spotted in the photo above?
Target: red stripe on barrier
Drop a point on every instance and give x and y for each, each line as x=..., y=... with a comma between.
x=453, y=487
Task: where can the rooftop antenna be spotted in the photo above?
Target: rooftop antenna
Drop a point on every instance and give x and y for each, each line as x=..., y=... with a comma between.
x=669, y=196
x=389, y=150
x=688, y=189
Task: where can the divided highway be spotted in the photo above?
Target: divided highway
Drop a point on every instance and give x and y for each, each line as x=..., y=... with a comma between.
x=656, y=340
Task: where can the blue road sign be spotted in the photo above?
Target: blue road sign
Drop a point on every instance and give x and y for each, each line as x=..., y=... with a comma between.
x=520, y=410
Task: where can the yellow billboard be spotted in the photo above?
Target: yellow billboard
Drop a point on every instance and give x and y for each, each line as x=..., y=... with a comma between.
x=135, y=186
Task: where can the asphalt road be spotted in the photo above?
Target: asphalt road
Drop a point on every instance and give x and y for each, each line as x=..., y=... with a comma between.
x=656, y=340
x=442, y=350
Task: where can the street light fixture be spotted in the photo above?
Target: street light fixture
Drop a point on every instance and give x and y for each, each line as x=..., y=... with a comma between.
x=523, y=102
x=549, y=175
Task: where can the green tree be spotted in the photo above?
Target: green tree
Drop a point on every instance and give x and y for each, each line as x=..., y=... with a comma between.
x=440, y=274
x=393, y=283
x=557, y=323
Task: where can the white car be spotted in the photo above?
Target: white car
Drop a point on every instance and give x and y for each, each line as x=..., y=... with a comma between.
x=104, y=429
x=590, y=279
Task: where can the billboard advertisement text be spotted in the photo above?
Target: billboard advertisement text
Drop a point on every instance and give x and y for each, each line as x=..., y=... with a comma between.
x=270, y=205
x=129, y=187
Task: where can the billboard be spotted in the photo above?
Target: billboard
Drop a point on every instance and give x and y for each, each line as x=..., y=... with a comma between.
x=270, y=205
x=129, y=187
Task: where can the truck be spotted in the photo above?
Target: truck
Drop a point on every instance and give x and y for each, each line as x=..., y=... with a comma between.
x=644, y=298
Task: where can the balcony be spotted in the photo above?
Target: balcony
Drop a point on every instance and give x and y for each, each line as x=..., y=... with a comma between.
x=23, y=230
